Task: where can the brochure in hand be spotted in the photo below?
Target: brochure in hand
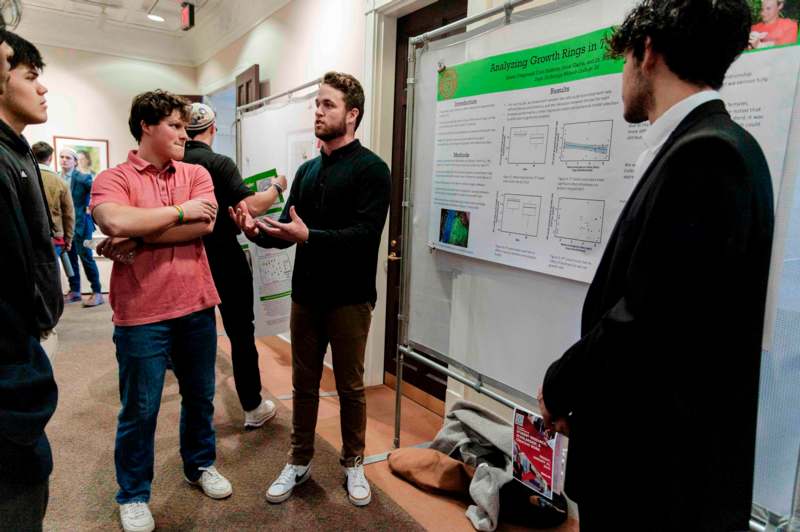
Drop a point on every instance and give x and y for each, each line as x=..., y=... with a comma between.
x=536, y=454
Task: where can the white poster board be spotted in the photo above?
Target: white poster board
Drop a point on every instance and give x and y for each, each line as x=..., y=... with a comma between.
x=533, y=161
x=277, y=136
x=509, y=322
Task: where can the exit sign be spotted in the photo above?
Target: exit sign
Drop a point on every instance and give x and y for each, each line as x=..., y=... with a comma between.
x=187, y=16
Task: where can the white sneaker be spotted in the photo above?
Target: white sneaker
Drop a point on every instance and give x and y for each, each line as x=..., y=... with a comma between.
x=212, y=483
x=259, y=415
x=357, y=486
x=136, y=517
x=291, y=476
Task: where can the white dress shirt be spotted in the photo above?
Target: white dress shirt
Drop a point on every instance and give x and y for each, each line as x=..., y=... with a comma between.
x=659, y=132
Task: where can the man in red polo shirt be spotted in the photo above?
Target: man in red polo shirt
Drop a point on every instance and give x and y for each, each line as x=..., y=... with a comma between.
x=157, y=210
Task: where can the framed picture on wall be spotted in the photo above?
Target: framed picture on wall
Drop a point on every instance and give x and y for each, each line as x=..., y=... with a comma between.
x=92, y=153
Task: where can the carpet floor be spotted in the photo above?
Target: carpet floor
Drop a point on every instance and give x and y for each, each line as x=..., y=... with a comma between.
x=83, y=485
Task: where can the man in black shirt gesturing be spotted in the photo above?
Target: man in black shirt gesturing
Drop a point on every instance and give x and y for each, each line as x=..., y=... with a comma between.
x=228, y=263
x=335, y=214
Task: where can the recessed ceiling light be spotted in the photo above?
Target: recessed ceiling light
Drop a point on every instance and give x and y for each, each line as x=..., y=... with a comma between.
x=155, y=18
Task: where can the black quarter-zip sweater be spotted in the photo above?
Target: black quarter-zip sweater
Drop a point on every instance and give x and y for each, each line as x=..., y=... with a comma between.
x=343, y=198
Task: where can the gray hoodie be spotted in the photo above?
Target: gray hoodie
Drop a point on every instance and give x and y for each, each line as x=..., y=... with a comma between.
x=483, y=440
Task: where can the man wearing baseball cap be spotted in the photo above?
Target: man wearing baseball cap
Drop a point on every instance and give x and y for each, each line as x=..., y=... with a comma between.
x=228, y=263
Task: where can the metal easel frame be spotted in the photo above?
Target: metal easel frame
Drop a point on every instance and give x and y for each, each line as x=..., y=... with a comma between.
x=242, y=109
x=762, y=519
x=405, y=347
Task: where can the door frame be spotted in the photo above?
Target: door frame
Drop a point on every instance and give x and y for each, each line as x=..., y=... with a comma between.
x=379, y=88
x=380, y=19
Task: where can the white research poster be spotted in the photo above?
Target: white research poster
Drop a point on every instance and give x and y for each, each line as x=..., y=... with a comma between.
x=272, y=270
x=533, y=161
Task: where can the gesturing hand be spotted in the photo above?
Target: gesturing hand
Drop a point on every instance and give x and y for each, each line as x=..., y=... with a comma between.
x=199, y=210
x=294, y=231
x=241, y=216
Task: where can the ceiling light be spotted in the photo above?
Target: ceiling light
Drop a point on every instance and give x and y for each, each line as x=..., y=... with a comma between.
x=155, y=18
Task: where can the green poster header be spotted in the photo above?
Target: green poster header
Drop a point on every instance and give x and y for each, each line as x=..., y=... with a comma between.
x=561, y=62
x=252, y=181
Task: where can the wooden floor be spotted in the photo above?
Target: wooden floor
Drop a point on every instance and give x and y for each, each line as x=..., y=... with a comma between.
x=418, y=425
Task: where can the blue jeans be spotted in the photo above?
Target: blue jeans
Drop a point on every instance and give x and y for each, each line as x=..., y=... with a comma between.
x=142, y=354
x=89, y=266
x=59, y=249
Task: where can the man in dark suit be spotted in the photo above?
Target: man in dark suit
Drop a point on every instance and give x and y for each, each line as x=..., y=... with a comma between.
x=659, y=396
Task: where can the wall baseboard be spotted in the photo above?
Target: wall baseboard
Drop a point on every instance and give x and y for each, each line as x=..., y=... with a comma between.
x=420, y=397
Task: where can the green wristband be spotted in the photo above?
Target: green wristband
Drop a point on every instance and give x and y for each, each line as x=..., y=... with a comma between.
x=180, y=213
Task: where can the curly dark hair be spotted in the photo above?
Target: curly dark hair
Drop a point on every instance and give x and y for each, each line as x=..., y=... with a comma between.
x=152, y=107
x=353, y=92
x=698, y=39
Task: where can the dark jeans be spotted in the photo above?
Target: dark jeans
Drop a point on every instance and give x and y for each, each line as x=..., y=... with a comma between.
x=22, y=506
x=312, y=329
x=235, y=286
x=89, y=266
x=142, y=352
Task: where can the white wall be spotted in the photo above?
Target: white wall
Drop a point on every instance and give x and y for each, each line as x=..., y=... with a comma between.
x=90, y=95
x=298, y=43
x=224, y=104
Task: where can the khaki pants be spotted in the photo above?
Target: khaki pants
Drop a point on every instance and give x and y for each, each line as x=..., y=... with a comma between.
x=345, y=328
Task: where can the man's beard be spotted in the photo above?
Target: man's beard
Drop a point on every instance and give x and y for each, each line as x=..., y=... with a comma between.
x=636, y=109
x=332, y=132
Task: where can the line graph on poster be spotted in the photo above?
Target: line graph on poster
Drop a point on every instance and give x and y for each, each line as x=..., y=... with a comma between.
x=518, y=214
x=524, y=146
x=585, y=145
x=578, y=222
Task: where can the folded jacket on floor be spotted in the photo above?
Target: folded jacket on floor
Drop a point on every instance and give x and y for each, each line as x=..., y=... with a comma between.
x=431, y=470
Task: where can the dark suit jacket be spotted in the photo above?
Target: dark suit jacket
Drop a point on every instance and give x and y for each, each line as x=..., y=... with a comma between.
x=81, y=189
x=662, y=388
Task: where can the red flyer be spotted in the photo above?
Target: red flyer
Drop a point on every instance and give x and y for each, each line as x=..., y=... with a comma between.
x=536, y=454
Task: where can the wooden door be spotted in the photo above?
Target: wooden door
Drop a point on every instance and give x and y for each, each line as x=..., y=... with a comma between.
x=248, y=86
x=421, y=378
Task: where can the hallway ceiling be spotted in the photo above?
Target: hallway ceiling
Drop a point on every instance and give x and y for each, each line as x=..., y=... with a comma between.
x=121, y=27
x=128, y=13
